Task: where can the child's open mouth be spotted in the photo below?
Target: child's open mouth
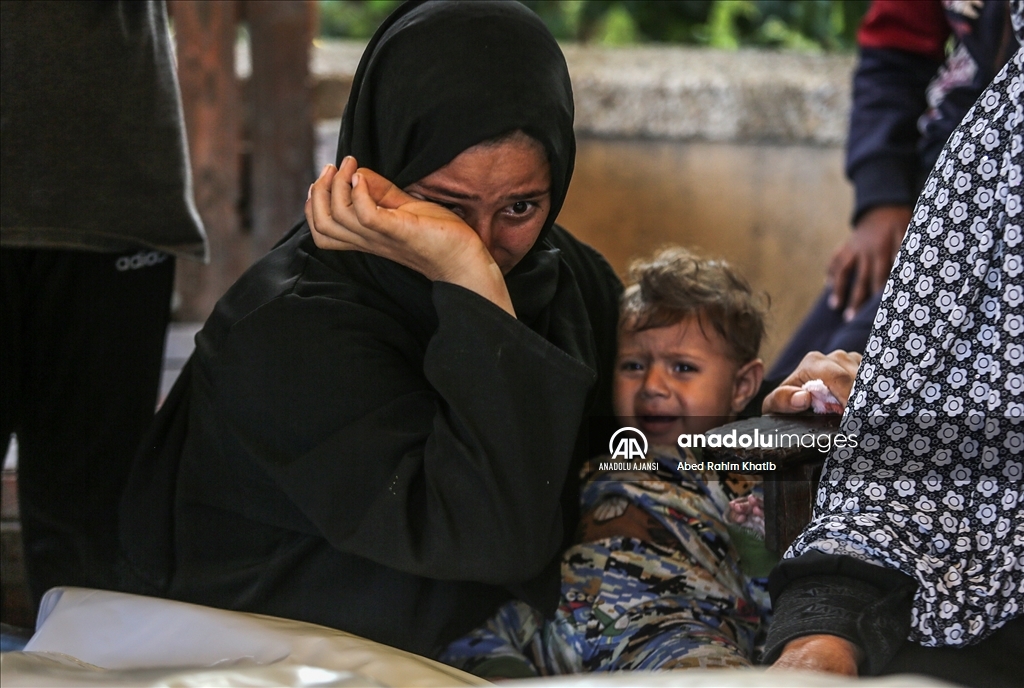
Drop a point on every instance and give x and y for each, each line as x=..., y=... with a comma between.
x=657, y=423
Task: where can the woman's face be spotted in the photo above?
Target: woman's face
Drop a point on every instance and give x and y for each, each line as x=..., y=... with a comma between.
x=502, y=190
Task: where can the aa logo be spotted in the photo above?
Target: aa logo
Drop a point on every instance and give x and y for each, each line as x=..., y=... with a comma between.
x=628, y=445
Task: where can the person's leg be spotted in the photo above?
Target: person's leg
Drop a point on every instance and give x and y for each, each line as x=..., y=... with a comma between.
x=854, y=335
x=497, y=650
x=633, y=605
x=17, y=607
x=674, y=615
x=12, y=269
x=814, y=334
x=825, y=330
x=664, y=636
x=93, y=346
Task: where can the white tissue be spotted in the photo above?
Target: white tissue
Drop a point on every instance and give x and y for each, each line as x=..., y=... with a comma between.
x=822, y=400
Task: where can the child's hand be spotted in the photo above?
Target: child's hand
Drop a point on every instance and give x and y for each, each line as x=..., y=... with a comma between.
x=837, y=370
x=747, y=511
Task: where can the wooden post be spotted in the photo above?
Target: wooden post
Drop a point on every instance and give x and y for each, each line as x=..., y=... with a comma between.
x=205, y=35
x=280, y=88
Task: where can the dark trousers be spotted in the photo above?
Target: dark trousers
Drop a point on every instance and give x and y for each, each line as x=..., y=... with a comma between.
x=83, y=337
x=825, y=330
x=995, y=662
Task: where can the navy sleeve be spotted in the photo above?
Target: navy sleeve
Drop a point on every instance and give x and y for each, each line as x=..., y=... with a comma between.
x=889, y=89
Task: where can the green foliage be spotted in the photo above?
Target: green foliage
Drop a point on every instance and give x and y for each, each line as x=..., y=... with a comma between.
x=346, y=19
x=728, y=24
x=561, y=16
x=723, y=20
x=617, y=27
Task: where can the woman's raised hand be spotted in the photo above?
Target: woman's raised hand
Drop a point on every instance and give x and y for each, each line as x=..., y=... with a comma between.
x=352, y=209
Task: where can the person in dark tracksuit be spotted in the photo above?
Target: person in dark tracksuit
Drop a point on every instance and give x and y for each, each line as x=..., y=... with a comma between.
x=96, y=202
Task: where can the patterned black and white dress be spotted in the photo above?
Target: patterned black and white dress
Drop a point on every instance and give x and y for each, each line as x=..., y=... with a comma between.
x=935, y=488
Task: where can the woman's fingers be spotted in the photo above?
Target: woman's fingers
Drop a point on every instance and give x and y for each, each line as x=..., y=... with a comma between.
x=346, y=223
x=836, y=370
x=327, y=232
x=362, y=201
x=383, y=191
x=332, y=221
x=839, y=373
x=341, y=189
x=368, y=213
x=319, y=196
x=786, y=399
x=315, y=216
x=318, y=213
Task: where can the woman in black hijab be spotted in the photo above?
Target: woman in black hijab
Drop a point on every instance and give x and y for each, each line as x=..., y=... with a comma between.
x=382, y=443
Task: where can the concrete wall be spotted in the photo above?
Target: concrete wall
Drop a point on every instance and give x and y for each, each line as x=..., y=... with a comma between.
x=736, y=153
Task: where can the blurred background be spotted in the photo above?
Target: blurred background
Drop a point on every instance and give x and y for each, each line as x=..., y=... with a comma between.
x=729, y=24
x=718, y=124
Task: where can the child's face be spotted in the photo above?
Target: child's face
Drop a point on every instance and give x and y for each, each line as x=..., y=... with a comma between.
x=680, y=378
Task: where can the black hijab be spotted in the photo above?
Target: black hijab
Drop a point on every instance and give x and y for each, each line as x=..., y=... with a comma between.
x=439, y=77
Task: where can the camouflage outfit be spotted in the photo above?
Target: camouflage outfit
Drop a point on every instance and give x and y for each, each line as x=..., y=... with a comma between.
x=671, y=595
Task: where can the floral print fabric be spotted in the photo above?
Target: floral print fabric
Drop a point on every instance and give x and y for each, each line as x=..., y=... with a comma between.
x=935, y=487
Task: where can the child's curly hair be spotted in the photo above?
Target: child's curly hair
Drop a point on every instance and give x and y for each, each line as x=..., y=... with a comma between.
x=676, y=284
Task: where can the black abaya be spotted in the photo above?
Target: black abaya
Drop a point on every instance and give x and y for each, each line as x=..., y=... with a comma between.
x=359, y=447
